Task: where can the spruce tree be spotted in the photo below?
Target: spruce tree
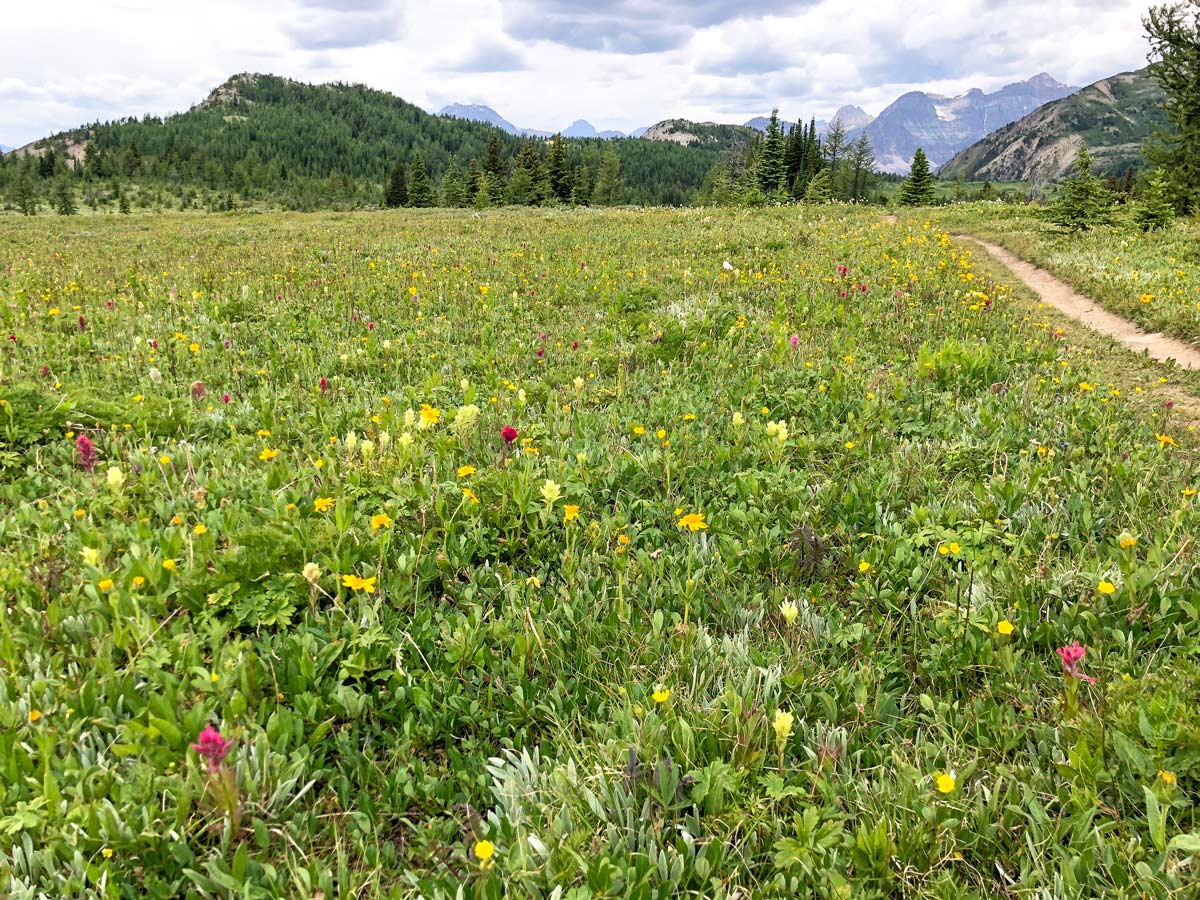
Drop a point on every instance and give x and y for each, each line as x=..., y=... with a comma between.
x=1084, y=201
x=397, y=189
x=122, y=202
x=420, y=191
x=454, y=192
x=520, y=188
x=819, y=189
x=559, y=169
x=918, y=189
x=770, y=161
x=482, y=197
x=1174, y=35
x=64, y=197
x=793, y=156
x=609, y=190
x=1154, y=208
x=23, y=195
x=493, y=161
x=471, y=182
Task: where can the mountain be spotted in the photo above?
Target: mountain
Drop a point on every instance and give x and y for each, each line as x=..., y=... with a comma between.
x=945, y=125
x=265, y=138
x=851, y=117
x=638, y=132
x=1113, y=117
x=479, y=113
x=579, y=129
x=761, y=123
x=700, y=134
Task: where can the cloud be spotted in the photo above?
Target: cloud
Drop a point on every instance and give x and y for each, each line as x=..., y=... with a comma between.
x=489, y=55
x=343, y=24
x=625, y=26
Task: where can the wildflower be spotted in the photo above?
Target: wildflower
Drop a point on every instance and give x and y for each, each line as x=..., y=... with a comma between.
x=381, y=520
x=212, y=748
x=86, y=451
x=1106, y=587
x=312, y=572
x=465, y=420
x=1127, y=540
x=570, y=513
x=551, y=492
x=692, y=522
x=164, y=460
x=115, y=479
x=198, y=390
x=323, y=384
x=268, y=454
x=470, y=495
x=661, y=695
x=1005, y=627
x=639, y=430
x=1167, y=777
x=794, y=340
x=138, y=581
x=170, y=565
x=850, y=445
x=789, y=610
x=484, y=850
x=323, y=504
x=945, y=782
x=200, y=529
x=106, y=584
x=1071, y=655
x=367, y=585
x=466, y=471
x=91, y=556
x=155, y=375
x=34, y=715
x=1165, y=440
x=508, y=433
x=107, y=853
x=429, y=417
x=350, y=442
x=863, y=566
x=738, y=420
x=782, y=725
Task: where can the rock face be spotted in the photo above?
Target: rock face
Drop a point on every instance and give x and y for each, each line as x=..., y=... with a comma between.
x=700, y=134
x=850, y=117
x=1113, y=117
x=943, y=126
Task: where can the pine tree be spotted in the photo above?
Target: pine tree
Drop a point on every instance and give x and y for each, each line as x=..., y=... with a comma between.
x=454, y=192
x=559, y=170
x=520, y=188
x=793, y=155
x=860, y=162
x=835, y=145
x=64, y=197
x=770, y=161
x=1154, y=209
x=397, y=189
x=471, y=182
x=122, y=202
x=609, y=189
x=530, y=161
x=819, y=189
x=1174, y=35
x=493, y=161
x=23, y=195
x=1084, y=200
x=918, y=189
x=482, y=198
x=420, y=192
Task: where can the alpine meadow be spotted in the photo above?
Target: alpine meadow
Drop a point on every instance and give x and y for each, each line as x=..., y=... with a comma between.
x=405, y=504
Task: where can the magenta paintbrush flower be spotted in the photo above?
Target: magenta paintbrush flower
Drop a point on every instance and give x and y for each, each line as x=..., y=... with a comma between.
x=212, y=747
x=87, y=453
x=1071, y=656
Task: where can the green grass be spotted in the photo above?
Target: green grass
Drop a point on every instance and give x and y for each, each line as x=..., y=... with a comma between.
x=1152, y=277
x=561, y=672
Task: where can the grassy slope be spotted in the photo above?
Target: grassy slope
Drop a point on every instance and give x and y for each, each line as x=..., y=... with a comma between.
x=373, y=730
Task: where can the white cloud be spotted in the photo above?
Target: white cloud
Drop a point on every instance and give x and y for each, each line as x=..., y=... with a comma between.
x=543, y=63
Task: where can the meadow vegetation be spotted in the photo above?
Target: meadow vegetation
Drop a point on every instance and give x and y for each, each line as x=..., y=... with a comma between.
x=570, y=553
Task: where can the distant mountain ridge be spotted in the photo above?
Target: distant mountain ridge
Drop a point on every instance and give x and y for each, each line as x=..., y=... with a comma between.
x=477, y=112
x=700, y=134
x=1113, y=117
x=849, y=116
x=943, y=126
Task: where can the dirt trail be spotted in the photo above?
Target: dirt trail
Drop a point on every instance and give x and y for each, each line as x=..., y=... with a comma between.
x=1066, y=300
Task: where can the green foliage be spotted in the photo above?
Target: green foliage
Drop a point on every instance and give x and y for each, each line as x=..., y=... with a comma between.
x=1084, y=202
x=1174, y=33
x=1154, y=208
x=397, y=189
x=420, y=191
x=452, y=661
x=918, y=189
x=819, y=189
x=770, y=170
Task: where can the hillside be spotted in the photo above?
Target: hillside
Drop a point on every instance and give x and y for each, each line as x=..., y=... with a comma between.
x=305, y=145
x=1114, y=117
x=709, y=135
x=943, y=126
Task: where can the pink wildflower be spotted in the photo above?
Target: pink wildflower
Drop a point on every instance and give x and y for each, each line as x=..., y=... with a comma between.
x=794, y=340
x=1071, y=655
x=212, y=748
x=508, y=433
x=87, y=453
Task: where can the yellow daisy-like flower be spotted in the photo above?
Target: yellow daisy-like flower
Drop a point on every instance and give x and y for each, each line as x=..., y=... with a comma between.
x=106, y=584
x=1165, y=440
x=1127, y=540
x=323, y=504
x=380, y=520
x=34, y=715
x=661, y=695
x=466, y=471
x=200, y=529
x=639, y=430
x=1106, y=587
x=138, y=581
x=693, y=522
x=366, y=585
x=864, y=567
x=470, y=495
x=570, y=513
x=268, y=454
x=430, y=415
x=1005, y=627
x=484, y=850
x=170, y=565
x=1167, y=777
x=945, y=782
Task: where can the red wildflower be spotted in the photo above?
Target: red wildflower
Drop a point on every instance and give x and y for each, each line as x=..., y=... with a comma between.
x=87, y=453
x=212, y=747
x=1071, y=655
x=508, y=433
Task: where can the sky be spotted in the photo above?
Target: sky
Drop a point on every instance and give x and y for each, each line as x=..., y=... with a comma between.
x=544, y=63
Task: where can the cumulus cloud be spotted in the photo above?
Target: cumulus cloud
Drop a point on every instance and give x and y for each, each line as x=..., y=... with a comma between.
x=342, y=24
x=489, y=55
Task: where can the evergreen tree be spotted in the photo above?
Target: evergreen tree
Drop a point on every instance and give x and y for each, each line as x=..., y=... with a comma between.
x=493, y=160
x=918, y=189
x=793, y=155
x=23, y=195
x=1154, y=209
x=530, y=161
x=520, y=188
x=482, y=198
x=397, y=189
x=122, y=202
x=819, y=189
x=1084, y=200
x=860, y=162
x=454, y=192
x=988, y=191
x=472, y=180
x=1174, y=35
x=64, y=197
x=420, y=191
x=558, y=167
x=47, y=163
x=771, y=169
x=609, y=189
x=835, y=145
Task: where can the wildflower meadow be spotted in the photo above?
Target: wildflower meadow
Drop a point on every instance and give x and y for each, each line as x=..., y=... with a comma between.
x=568, y=553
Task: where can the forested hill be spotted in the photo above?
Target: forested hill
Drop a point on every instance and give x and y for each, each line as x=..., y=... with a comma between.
x=302, y=146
